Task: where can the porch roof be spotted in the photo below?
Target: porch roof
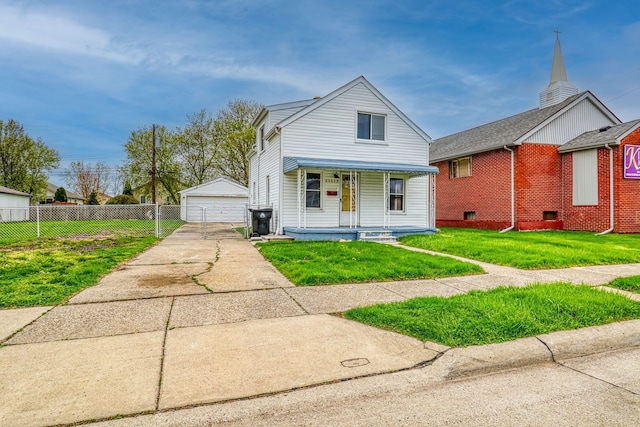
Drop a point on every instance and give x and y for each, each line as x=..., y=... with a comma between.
x=293, y=163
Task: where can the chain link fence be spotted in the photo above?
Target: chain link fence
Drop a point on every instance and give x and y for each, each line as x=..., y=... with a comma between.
x=58, y=221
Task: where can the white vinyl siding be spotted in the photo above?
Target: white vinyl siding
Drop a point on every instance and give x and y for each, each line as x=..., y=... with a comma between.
x=583, y=117
x=328, y=132
x=585, y=177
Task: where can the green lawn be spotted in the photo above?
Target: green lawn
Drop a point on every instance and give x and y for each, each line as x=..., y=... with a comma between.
x=532, y=250
x=321, y=263
x=498, y=315
x=630, y=284
x=49, y=271
x=24, y=231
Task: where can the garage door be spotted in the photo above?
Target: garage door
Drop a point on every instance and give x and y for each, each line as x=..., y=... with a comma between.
x=216, y=209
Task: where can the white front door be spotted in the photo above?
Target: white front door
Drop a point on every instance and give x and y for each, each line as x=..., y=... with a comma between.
x=349, y=200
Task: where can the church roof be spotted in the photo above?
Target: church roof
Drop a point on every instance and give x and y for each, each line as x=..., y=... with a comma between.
x=496, y=134
x=611, y=135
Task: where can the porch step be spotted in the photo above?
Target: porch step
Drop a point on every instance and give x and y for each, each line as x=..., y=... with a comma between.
x=382, y=236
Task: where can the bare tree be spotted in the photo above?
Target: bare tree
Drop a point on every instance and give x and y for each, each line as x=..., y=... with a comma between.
x=83, y=178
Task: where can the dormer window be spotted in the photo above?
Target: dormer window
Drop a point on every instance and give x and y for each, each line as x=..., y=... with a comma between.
x=371, y=126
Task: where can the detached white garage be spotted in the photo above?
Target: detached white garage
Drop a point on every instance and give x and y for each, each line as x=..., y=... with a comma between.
x=14, y=205
x=220, y=200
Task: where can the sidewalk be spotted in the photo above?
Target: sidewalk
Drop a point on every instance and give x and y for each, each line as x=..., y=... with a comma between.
x=194, y=321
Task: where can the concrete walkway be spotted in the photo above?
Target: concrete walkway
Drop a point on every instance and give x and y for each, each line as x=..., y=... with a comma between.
x=194, y=321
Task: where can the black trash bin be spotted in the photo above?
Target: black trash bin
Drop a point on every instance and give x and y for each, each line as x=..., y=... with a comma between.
x=260, y=219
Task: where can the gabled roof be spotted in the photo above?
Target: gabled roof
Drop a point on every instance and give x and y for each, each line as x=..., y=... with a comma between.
x=7, y=190
x=316, y=103
x=508, y=131
x=611, y=135
x=217, y=187
x=284, y=106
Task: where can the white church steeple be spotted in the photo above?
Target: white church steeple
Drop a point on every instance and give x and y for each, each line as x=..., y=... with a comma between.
x=559, y=88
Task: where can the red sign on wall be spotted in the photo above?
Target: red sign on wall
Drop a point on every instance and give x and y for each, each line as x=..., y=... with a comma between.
x=632, y=161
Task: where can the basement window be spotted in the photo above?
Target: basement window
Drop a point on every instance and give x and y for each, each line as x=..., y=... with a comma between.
x=550, y=215
x=460, y=168
x=470, y=216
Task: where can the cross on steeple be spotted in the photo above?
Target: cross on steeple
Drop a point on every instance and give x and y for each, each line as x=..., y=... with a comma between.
x=557, y=33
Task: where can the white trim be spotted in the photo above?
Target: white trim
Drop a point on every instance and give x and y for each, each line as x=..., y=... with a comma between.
x=343, y=89
x=587, y=95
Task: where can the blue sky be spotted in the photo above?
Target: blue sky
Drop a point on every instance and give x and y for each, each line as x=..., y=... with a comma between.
x=83, y=74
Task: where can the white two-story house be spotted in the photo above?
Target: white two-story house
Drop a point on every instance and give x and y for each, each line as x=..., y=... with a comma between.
x=342, y=166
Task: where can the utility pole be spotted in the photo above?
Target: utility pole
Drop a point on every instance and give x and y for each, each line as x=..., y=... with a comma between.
x=153, y=165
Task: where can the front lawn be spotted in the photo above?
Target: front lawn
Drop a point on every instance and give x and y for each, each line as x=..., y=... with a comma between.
x=630, y=284
x=47, y=272
x=498, y=315
x=322, y=263
x=533, y=249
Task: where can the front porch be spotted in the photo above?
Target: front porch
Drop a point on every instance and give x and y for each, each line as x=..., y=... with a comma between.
x=354, y=233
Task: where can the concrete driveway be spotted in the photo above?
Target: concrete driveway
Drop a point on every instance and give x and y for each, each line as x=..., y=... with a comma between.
x=193, y=321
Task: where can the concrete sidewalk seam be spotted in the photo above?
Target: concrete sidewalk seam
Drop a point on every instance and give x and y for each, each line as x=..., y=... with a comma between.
x=164, y=345
x=3, y=341
x=295, y=301
x=599, y=379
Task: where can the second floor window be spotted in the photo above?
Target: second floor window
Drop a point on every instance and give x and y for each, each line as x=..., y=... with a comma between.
x=371, y=126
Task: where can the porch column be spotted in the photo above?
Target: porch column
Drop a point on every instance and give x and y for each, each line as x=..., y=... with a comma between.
x=304, y=199
x=386, y=219
x=299, y=192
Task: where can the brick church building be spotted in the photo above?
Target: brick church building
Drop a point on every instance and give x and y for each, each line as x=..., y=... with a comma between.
x=568, y=164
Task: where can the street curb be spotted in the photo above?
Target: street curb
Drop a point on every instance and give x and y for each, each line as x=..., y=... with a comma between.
x=478, y=360
x=593, y=340
x=485, y=359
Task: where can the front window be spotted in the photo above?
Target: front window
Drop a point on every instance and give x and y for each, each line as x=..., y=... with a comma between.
x=460, y=168
x=313, y=190
x=396, y=194
x=371, y=126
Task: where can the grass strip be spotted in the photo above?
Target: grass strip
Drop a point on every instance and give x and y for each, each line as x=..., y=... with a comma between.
x=499, y=315
x=531, y=250
x=322, y=263
x=47, y=272
x=630, y=284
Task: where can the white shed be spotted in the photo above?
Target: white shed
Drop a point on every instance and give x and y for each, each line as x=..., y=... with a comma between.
x=220, y=200
x=14, y=205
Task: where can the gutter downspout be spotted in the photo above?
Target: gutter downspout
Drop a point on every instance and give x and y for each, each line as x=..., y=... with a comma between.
x=513, y=192
x=611, y=198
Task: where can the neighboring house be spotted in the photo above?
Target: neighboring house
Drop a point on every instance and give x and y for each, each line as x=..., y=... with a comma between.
x=220, y=200
x=71, y=197
x=541, y=169
x=343, y=166
x=14, y=205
